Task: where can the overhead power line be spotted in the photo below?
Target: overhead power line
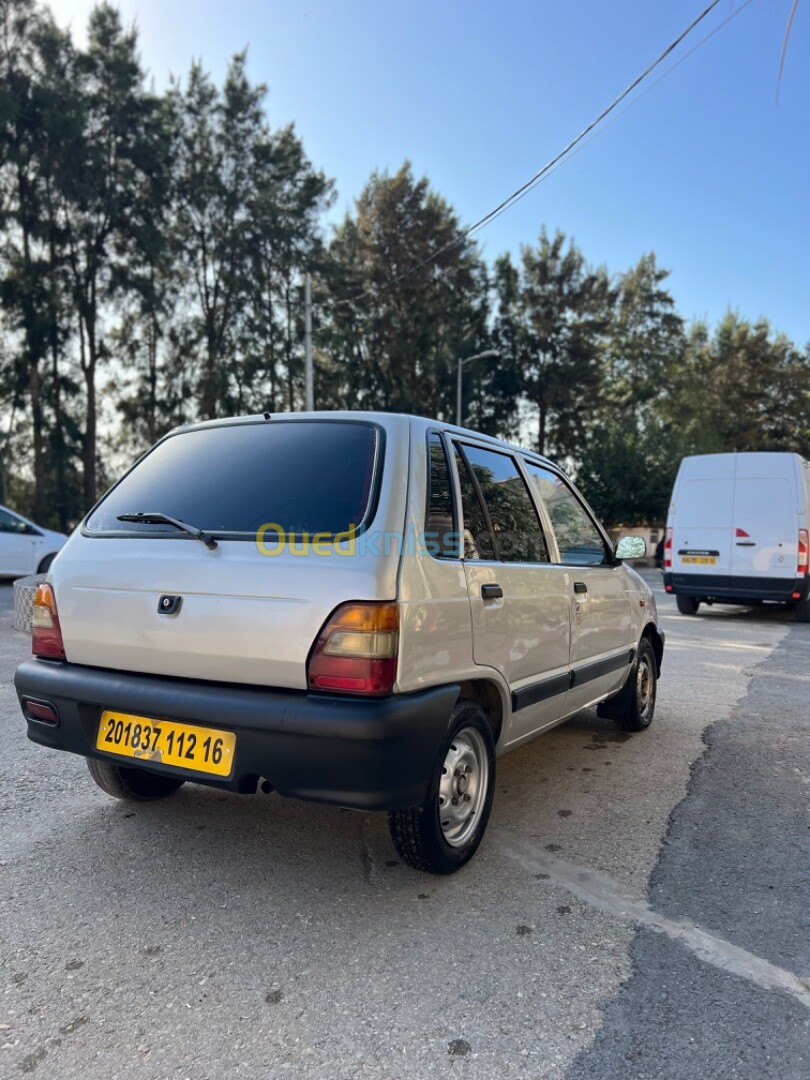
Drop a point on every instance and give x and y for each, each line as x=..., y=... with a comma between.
x=532, y=184
x=557, y=160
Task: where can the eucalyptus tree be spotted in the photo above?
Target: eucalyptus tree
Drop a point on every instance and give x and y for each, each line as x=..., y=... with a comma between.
x=285, y=242
x=24, y=263
x=407, y=297
x=102, y=196
x=552, y=314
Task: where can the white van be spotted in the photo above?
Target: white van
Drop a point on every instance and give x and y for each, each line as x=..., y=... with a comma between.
x=737, y=531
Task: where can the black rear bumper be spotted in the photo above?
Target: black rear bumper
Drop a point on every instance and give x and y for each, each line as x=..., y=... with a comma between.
x=370, y=754
x=727, y=588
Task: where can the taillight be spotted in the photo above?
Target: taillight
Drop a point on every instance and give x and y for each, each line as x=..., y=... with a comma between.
x=804, y=552
x=46, y=633
x=668, y=551
x=356, y=651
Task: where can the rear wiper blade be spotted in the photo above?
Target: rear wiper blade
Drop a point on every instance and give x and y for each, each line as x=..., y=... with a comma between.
x=164, y=519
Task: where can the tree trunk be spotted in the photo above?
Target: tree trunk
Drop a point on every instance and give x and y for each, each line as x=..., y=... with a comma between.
x=151, y=419
x=33, y=348
x=541, y=427
x=87, y=346
x=35, y=395
x=58, y=436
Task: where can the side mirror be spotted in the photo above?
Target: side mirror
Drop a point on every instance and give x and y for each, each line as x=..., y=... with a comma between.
x=631, y=547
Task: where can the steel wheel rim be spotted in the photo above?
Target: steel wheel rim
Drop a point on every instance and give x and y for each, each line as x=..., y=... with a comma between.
x=463, y=787
x=645, y=688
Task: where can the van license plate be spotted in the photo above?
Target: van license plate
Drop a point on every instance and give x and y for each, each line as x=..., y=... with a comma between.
x=700, y=560
x=164, y=742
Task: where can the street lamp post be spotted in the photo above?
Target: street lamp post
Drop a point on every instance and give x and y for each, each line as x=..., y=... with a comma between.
x=488, y=354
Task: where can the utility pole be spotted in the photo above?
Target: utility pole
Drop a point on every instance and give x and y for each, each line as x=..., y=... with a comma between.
x=488, y=354
x=309, y=391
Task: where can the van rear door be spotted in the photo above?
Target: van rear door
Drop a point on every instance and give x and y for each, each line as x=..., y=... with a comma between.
x=702, y=518
x=765, y=519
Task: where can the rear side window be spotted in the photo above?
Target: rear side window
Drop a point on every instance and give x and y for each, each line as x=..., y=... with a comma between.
x=578, y=538
x=440, y=526
x=518, y=535
x=305, y=477
x=477, y=537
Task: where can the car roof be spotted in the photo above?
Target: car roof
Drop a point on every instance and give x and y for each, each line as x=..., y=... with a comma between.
x=385, y=419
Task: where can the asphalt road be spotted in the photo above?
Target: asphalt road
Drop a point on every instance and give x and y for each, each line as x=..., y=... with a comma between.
x=639, y=907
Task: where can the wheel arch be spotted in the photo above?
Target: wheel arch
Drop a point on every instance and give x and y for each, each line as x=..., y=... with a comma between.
x=44, y=563
x=488, y=694
x=655, y=638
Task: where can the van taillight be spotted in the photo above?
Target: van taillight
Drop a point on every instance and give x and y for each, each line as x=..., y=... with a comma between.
x=46, y=633
x=804, y=552
x=356, y=651
x=668, y=551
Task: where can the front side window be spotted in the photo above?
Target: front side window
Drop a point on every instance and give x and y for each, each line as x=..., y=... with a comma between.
x=516, y=527
x=302, y=476
x=440, y=527
x=578, y=539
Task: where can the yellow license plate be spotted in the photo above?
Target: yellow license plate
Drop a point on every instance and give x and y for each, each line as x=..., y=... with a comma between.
x=700, y=560
x=165, y=742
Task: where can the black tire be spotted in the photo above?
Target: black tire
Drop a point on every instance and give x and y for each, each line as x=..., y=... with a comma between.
x=132, y=785
x=803, y=611
x=45, y=564
x=635, y=704
x=687, y=605
x=420, y=837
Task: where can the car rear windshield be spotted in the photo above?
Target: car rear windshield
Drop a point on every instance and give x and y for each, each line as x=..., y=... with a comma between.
x=303, y=476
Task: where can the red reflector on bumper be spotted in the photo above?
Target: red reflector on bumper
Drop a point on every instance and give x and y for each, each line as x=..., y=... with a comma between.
x=41, y=710
x=797, y=596
x=668, y=588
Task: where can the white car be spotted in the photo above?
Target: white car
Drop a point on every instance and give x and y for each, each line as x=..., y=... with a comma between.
x=357, y=608
x=26, y=548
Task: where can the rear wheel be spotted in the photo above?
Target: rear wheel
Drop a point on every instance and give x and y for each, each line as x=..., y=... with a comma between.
x=687, y=605
x=444, y=833
x=132, y=785
x=803, y=611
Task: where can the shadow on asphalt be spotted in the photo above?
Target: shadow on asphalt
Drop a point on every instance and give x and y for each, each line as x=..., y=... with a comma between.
x=238, y=840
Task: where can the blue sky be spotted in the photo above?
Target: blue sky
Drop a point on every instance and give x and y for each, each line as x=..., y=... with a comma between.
x=708, y=169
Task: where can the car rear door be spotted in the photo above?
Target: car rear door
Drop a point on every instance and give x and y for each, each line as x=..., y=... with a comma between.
x=18, y=545
x=518, y=598
x=603, y=634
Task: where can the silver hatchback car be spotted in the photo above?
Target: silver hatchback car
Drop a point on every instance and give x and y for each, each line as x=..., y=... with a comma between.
x=357, y=608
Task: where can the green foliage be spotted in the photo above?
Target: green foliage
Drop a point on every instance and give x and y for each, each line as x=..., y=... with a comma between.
x=393, y=344
x=153, y=249
x=552, y=315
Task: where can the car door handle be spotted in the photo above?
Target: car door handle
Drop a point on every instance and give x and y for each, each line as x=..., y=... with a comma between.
x=491, y=592
x=580, y=587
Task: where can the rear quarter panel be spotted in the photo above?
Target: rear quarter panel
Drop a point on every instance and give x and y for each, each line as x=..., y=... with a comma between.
x=435, y=619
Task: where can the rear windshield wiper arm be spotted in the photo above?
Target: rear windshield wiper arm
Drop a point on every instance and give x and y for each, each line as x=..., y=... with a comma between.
x=164, y=519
